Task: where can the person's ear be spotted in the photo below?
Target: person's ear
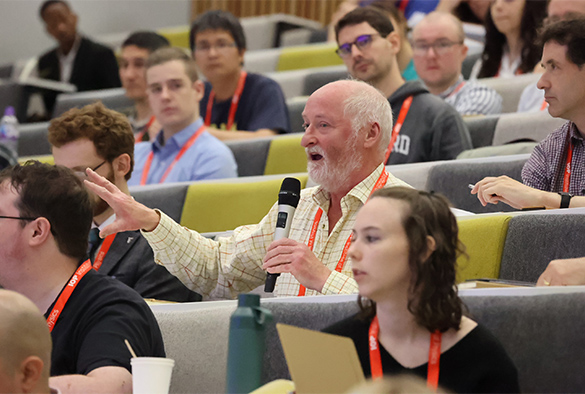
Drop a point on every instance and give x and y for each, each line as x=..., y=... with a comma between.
x=373, y=135
x=39, y=230
x=199, y=88
x=431, y=247
x=394, y=39
x=121, y=165
x=31, y=371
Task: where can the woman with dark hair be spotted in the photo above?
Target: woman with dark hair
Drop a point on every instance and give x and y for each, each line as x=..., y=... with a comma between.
x=403, y=252
x=510, y=38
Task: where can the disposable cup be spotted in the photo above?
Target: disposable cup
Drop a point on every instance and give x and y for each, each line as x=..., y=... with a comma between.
x=151, y=375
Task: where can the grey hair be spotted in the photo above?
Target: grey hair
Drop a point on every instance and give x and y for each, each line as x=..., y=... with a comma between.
x=367, y=105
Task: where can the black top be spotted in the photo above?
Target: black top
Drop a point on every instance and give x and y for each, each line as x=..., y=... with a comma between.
x=476, y=364
x=261, y=106
x=99, y=315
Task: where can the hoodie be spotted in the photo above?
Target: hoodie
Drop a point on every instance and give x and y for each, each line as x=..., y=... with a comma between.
x=432, y=130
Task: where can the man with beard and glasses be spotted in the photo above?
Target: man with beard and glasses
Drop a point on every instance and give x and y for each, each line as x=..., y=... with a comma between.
x=102, y=139
x=347, y=129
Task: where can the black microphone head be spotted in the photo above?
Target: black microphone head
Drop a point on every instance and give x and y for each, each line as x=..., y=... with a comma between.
x=290, y=192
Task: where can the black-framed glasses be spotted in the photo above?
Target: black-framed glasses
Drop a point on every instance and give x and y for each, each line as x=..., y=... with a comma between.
x=440, y=47
x=18, y=218
x=362, y=42
x=83, y=174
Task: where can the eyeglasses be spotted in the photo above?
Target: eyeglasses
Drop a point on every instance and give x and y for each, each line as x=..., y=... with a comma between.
x=17, y=217
x=218, y=46
x=440, y=47
x=83, y=174
x=361, y=43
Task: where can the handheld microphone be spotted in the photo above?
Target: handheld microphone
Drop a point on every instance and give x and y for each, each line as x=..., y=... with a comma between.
x=288, y=199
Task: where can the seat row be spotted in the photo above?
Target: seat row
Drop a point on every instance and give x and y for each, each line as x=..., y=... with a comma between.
x=541, y=329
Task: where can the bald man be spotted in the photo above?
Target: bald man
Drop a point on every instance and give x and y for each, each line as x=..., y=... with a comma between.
x=439, y=51
x=25, y=345
x=347, y=130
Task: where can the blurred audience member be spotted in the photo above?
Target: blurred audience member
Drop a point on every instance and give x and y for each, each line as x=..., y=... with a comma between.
x=532, y=99
x=510, y=42
x=235, y=104
x=467, y=11
x=25, y=359
x=133, y=54
x=77, y=59
x=426, y=128
x=99, y=138
x=183, y=150
x=404, y=256
x=439, y=51
x=555, y=172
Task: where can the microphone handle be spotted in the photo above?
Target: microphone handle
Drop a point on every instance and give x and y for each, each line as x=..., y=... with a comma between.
x=282, y=230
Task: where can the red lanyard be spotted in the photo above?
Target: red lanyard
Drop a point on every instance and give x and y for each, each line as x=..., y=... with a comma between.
x=403, y=4
x=376, y=359
x=103, y=251
x=398, y=125
x=187, y=145
x=567, y=176
x=138, y=137
x=66, y=293
x=379, y=183
x=233, y=106
x=544, y=105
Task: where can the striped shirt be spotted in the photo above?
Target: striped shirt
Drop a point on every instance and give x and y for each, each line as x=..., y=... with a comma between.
x=545, y=168
x=233, y=265
x=472, y=98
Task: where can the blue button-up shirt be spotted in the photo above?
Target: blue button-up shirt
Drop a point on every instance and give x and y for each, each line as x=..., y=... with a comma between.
x=207, y=158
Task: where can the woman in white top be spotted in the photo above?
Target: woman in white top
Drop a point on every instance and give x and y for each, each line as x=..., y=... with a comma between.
x=510, y=40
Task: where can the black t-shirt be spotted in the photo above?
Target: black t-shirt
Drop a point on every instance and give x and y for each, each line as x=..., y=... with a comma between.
x=261, y=106
x=91, y=329
x=476, y=364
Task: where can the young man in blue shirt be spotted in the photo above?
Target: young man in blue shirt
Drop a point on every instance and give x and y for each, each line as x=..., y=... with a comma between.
x=183, y=150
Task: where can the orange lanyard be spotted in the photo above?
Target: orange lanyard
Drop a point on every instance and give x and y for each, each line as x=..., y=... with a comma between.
x=457, y=89
x=187, y=145
x=103, y=251
x=567, y=176
x=66, y=293
x=379, y=183
x=544, y=105
x=376, y=359
x=403, y=4
x=398, y=125
x=233, y=106
x=138, y=137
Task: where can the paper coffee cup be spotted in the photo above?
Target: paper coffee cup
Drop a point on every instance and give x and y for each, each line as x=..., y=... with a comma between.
x=151, y=375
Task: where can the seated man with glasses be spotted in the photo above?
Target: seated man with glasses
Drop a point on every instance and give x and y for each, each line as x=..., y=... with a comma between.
x=236, y=104
x=439, y=52
x=45, y=217
x=426, y=128
x=102, y=139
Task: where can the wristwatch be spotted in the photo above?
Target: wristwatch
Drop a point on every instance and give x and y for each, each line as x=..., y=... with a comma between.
x=565, y=199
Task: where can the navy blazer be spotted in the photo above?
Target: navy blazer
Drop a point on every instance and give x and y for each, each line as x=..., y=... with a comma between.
x=131, y=261
x=95, y=67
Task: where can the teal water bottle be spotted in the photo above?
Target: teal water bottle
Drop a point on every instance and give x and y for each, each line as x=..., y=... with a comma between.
x=246, y=344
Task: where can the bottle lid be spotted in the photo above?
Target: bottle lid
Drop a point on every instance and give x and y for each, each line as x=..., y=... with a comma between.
x=9, y=111
x=249, y=299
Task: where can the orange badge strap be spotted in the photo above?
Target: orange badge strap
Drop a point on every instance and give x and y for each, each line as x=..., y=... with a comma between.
x=398, y=125
x=379, y=183
x=544, y=105
x=567, y=176
x=103, y=251
x=66, y=293
x=233, y=106
x=376, y=359
x=187, y=145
